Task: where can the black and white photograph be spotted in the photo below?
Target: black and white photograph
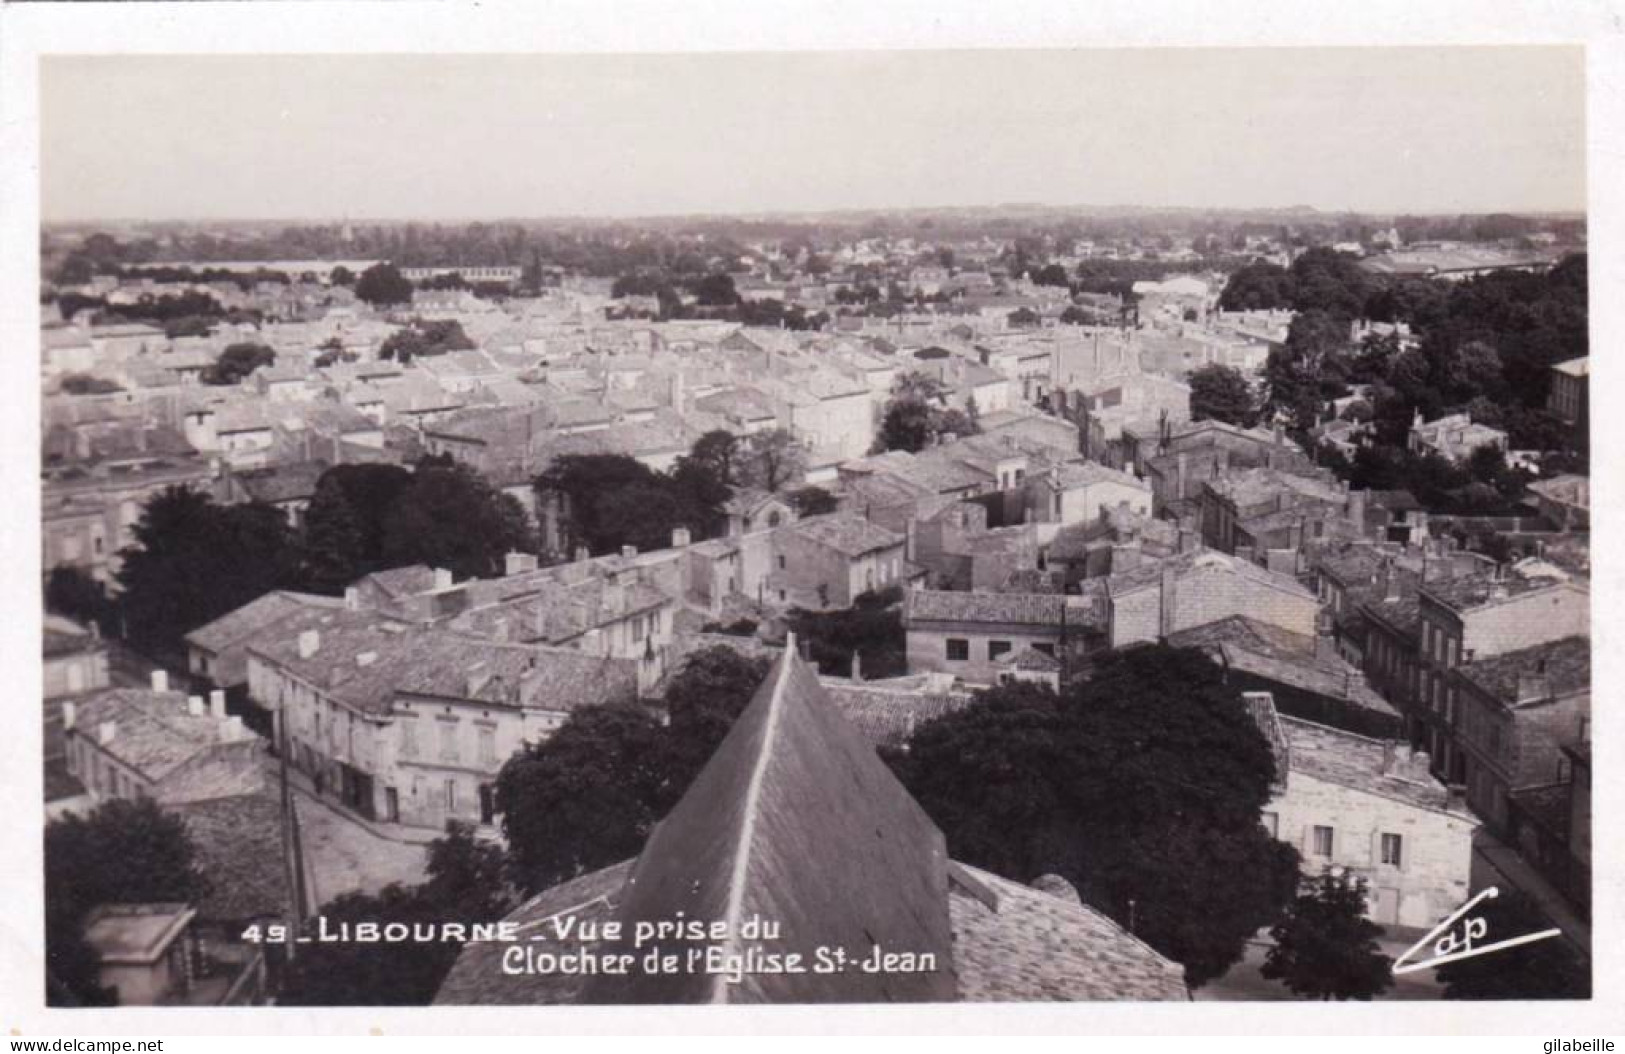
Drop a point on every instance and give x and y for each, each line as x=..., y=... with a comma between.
x=1002, y=525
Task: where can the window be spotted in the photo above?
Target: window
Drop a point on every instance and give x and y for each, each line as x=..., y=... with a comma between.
x=773, y=520
x=995, y=648
x=637, y=629
x=1323, y=842
x=781, y=561
x=958, y=649
x=488, y=746
x=409, y=738
x=448, y=741
x=1046, y=647
x=1392, y=849
x=1272, y=823
x=451, y=795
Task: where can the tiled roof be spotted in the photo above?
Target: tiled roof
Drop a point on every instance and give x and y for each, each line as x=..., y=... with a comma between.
x=846, y=533
x=1202, y=561
x=1565, y=664
x=1029, y=609
x=153, y=731
x=888, y=715
x=1466, y=592
x=1031, y=660
x=1031, y=945
x=239, y=847
x=1356, y=762
x=256, y=617
x=287, y=482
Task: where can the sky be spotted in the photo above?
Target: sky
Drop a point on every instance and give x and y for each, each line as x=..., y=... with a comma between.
x=1380, y=130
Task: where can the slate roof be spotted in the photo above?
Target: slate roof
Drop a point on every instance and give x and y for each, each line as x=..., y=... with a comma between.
x=1565, y=663
x=1466, y=592
x=796, y=819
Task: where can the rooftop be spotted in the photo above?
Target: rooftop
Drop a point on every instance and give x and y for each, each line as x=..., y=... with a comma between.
x=1556, y=669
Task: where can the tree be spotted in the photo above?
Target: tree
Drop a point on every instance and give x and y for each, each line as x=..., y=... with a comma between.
x=716, y=290
x=451, y=517
x=1143, y=786
x=193, y=561
x=331, y=551
x=383, y=285
x=1221, y=393
x=872, y=629
x=425, y=337
x=238, y=361
x=341, y=275
x=1309, y=368
x=465, y=884
x=124, y=852
x=1258, y=287
x=772, y=459
x=1024, y=318
x=812, y=501
x=1325, y=947
x=587, y=796
x=918, y=412
x=1543, y=969
x=71, y=591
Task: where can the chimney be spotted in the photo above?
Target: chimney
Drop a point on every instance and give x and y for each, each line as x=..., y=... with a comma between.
x=680, y=537
x=857, y=666
x=1169, y=600
x=628, y=552
x=69, y=714
x=310, y=642
x=582, y=555
x=1182, y=461
x=217, y=703
x=160, y=680
x=518, y=563
x=352, y=598
x=1356, y=508
x=105, y=732
x=1388, y=758
x=1533, y=685
x=442, y=578
x=232, y=730
x=194, y=705
x=1421, y=763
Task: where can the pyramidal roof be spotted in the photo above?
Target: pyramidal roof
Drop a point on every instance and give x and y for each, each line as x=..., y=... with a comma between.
x=794, y=822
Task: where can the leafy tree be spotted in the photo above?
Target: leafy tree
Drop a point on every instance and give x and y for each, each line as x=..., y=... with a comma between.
x=465, y=884
x=812, y=501
x=238, y=361
x=1143, y=786
x=1324, y=279
x=451, y=517
x=123, y=852
x=918, y=412
x=341, y=275
x=1024, y=318
x=383, y=285
x=1258, y=287
x=1325, y=947
x=425, y=337
x=1221, y=393
x=1544, y=969
x=716, y=290
x=772, y=459
x=71, y=591
x=86, y=384
x=332, y=549
x=1050, y=274
x=872, y=629
x=193, y=561
x=1309, y=368
x=587, y=796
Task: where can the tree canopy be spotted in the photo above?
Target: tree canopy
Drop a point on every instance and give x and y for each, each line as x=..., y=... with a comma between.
x=238, y=361
x=588, y=796
x=121, y=852
x=1143, y=786
x=383, y=285
x=1325, y=947
x=465, y=884
x=1221, y=393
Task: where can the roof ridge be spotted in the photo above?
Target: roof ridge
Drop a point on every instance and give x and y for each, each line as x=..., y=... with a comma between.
x=747, y=832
